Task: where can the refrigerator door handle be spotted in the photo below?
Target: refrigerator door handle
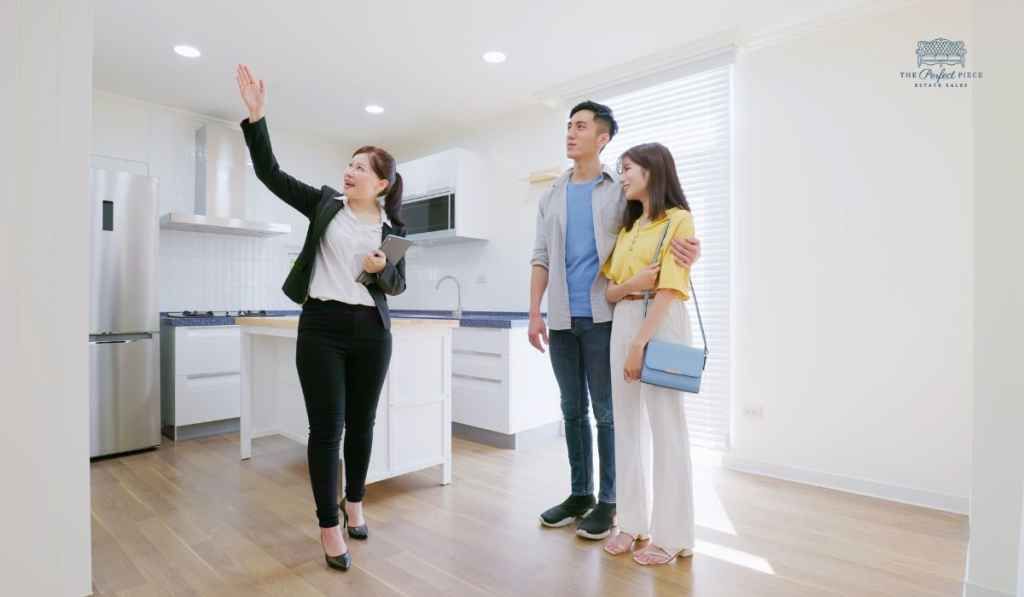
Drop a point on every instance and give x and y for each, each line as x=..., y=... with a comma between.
x=118, y=338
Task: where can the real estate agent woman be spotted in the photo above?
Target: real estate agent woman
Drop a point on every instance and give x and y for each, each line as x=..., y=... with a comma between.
x=344, y=338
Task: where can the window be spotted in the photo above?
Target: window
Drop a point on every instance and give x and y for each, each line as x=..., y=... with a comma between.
x=692, y=117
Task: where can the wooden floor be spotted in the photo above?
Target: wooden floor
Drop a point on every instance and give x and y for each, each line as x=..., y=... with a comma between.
x=191, y=519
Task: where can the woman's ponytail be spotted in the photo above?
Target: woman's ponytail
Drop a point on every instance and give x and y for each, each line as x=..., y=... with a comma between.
x=393, y=202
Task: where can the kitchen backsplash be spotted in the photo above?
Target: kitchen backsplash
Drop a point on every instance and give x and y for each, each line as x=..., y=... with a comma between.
x=220, y=272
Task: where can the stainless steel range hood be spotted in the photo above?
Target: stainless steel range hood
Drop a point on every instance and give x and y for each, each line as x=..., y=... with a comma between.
x=221, y=164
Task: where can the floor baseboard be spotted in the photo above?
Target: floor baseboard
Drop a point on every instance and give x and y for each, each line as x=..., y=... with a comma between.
x=515, y=441
x=973, y=590
x=894, y=493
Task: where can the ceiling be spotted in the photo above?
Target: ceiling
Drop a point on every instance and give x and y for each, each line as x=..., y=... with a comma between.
x=325, y=60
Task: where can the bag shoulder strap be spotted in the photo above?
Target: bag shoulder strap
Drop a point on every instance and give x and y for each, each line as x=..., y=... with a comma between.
x=693, y=292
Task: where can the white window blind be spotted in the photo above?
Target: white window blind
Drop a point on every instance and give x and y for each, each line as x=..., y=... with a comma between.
x=692, y=117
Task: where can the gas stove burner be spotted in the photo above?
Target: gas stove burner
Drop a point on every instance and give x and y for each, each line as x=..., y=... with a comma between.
x=260, y=313
x=197, y=314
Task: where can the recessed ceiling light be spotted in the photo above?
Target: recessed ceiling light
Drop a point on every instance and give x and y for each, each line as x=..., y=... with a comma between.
x=374, y=109
x=186, y=51
x=494, y=57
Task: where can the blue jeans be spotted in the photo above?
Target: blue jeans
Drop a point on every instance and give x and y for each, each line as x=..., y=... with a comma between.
x=580, y=359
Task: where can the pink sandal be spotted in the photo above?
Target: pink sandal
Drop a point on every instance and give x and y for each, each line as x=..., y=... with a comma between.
x=666, y=557
x=618, y=551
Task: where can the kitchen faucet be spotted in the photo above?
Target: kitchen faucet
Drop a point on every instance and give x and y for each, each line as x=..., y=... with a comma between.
x=458, y=309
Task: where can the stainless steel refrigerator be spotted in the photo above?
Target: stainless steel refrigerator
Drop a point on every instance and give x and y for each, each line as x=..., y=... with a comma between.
x=124, y=331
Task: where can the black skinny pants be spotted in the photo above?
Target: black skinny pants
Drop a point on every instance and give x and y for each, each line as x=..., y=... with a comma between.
x=342, y=356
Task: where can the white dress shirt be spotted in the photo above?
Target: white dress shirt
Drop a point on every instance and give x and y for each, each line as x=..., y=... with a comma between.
x=339, y=259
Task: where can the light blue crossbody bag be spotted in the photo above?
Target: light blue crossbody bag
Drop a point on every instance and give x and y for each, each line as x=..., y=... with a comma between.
x=669, y=364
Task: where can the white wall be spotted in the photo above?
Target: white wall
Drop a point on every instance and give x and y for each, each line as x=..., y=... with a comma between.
x=494, y=275
x=45, y=77
x=999, y=296
x=852, y=285
x=200, y=270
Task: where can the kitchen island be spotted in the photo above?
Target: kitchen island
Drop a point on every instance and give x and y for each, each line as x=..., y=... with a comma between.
x=413, y=427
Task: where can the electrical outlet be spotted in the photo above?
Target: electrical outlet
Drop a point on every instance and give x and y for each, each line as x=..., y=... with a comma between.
x=481, y=279
x=754, y=411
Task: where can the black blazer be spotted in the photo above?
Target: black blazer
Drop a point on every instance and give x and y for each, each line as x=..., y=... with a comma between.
x=320, y=206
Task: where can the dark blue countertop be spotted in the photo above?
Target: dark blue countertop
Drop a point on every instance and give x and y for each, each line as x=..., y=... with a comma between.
x=470, y=319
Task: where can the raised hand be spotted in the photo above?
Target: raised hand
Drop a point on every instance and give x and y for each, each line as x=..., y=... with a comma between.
x=253, y=92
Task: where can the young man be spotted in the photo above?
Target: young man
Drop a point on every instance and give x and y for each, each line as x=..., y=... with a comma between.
x=578, y=219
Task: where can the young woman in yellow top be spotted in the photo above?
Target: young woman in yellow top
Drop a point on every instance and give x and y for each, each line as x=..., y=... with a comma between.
x=645, y=414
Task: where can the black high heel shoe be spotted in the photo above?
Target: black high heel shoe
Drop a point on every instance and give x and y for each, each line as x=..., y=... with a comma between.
x=360, y=532
x=342, y=562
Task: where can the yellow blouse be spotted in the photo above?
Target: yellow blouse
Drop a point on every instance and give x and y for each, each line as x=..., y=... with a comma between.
x=634, y=250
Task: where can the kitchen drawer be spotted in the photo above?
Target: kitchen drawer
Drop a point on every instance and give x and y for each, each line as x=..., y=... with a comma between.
x=480, y=403
x=479, y=364
x=482, y=340
x=207, y=350
x=208, y=398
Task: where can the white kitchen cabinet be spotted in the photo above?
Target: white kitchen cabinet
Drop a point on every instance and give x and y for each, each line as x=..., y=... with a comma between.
x=200, y=378
x=500, y=383
x=457, y=171
x=442, y=169
x=380, y=453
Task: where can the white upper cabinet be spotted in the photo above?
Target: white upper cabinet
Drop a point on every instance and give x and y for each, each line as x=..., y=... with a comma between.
x=445, y=197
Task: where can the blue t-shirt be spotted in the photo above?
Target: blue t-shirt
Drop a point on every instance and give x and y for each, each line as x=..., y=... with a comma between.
x=581, y=263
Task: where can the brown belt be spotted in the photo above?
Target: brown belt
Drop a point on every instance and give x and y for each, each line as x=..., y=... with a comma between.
x=633, y=297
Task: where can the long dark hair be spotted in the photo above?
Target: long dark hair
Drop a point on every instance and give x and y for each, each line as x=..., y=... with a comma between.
x=385, y=167
x=662, y=183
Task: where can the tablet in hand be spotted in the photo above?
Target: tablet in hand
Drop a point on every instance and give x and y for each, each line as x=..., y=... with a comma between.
x=394, y=248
